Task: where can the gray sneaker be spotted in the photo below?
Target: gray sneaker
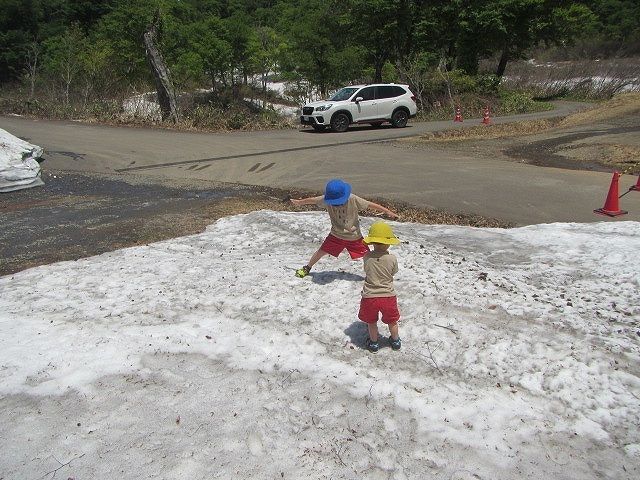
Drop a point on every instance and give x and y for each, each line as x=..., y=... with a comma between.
x=372, y=346
x=395, y=344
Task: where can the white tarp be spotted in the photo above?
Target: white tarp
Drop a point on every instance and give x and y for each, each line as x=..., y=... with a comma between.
x=18, y=166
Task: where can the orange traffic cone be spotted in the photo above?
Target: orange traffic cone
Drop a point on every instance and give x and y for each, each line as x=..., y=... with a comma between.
x=486, y=120
x=611, y=207
x=636, y=187
x=458, y=117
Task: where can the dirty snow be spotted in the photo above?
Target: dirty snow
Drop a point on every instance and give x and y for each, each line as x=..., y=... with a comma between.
x=19, y=167
x=204, y=357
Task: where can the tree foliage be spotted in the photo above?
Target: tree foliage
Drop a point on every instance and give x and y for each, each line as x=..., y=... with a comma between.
x=90, y=47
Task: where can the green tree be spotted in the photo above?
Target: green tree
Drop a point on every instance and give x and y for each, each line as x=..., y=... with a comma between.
x=86, y=13
x=97, y=78
x=464, y=31
x=265, y=46
x=382, y=28
x=122, y=29
x=63, y=58
x=206, y=49
x=315, y=40
x=617, y=25
x=512, y=27
x=238, y=34
x=19, y=22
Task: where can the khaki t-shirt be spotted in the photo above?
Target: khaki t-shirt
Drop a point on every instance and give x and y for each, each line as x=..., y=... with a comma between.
x=379, y=268
x=345, y=222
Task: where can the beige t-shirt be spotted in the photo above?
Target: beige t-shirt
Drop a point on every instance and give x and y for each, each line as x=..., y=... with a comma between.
x=379, y=268
x=345, y=222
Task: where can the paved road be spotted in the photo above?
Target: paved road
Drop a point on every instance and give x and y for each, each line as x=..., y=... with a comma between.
x=458, y=183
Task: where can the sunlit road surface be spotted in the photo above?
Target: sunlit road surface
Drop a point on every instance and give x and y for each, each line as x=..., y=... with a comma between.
x=365, y=156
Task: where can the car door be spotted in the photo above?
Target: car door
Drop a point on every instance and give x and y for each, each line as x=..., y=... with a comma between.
x=387, y=98
x=367, y=108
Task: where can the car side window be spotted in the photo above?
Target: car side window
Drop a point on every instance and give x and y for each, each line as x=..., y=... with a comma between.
x=385, y=91
x=366, y=93
x=389, y=91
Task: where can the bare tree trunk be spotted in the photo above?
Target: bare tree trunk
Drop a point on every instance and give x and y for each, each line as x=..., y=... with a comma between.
x=33, y=67
x=442, y=67
x=213, y=83
x=235, y=86
x=504, y=59
x=161, y=74
x=68, y=77
x=378, y=66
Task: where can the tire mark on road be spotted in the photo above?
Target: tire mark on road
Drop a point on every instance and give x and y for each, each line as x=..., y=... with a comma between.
x=73, y=155
x=266, y=167
x=258, y=154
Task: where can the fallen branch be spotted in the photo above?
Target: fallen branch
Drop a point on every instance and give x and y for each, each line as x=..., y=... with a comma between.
x=430, y=356
x=55, y=470
x=196, y=430
x=369, y=396
x=337, y=453
x=448, y=328
x=287, y=378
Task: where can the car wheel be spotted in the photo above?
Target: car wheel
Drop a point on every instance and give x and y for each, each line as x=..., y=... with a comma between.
x=375, y=124
x=319, y=128
x=340, y=122
x=400, y=118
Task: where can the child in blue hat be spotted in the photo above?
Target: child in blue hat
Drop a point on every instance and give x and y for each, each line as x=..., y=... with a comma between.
x=343, y=208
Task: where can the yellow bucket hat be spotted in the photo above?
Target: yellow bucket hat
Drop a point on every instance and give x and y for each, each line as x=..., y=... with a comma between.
x=380, y=232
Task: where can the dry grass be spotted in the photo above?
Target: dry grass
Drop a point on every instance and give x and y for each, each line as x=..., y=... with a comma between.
x=617, y=149
x=408, y=213
x=624, y=158
x=619, y=106
x=622, y=105
x=491, y=131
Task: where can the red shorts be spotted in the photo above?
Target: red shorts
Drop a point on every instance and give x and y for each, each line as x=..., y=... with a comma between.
x=387, y=306
x=334, y=246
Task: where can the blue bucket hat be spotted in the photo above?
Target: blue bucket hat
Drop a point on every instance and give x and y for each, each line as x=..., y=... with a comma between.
x=337, y=192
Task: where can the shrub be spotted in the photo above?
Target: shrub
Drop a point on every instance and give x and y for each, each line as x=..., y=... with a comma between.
x=487, y=83
x=510, y=103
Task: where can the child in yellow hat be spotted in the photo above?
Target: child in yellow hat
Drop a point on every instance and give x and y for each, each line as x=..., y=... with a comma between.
x=378, y=294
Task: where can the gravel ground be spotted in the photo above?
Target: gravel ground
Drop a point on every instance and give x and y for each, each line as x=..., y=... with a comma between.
x=74, y=216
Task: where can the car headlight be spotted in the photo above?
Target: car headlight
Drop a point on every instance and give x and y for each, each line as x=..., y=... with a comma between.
x=322, y=108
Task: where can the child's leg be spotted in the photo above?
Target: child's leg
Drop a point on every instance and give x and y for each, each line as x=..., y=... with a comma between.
x=396, y=344
x=315, y=257
x=393, y=330
x=304, y=271
x=373, y=331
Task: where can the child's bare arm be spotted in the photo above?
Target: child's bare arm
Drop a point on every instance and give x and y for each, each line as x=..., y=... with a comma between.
x=306, y=201
x=380, y=208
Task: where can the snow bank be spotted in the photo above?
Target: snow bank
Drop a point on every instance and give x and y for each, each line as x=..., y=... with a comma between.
x=521, y=351
x=18, y=166
x=143, y=105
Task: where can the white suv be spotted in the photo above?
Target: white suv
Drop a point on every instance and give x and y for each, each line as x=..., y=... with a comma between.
x=373, y=104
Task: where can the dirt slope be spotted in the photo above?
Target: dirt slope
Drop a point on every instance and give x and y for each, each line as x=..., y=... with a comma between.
x=605, y=137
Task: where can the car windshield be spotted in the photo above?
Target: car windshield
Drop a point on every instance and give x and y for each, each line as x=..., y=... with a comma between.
x=343, y=94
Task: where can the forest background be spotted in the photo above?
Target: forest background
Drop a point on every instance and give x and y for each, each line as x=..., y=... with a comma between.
x=85, y=58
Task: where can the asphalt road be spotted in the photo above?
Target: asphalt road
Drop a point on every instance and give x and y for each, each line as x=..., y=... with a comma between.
x=366, y=157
